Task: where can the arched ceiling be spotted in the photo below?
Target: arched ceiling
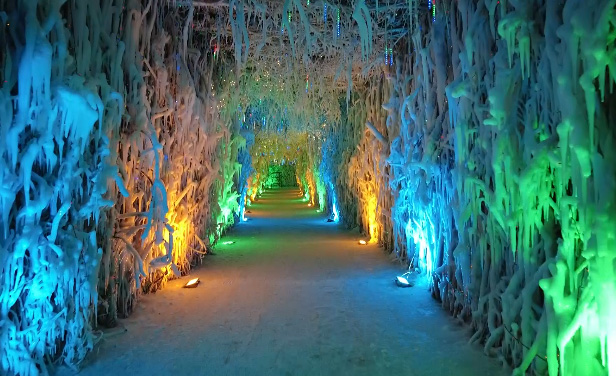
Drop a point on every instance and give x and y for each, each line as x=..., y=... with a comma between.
x=285, y=64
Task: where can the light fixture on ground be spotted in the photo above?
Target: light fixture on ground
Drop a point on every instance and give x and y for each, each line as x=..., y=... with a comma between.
x=192, y=283
x=363, y=242
x=228, y=242
x=403, y=280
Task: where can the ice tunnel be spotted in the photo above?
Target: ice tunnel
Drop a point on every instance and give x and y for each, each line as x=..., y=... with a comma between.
x=300, y=162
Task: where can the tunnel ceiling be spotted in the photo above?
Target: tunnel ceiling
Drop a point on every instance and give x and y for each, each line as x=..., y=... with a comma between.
x=294, y=60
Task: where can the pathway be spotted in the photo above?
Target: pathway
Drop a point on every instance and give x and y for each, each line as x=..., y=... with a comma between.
x=294, y=295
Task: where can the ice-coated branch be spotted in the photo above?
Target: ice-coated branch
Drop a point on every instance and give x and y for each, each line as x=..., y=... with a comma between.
x=376, y=133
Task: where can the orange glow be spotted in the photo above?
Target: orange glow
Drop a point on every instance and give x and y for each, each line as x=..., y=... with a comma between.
x=253, y=186
x=312, y=187
x=373, y=229
x=368, y=191
x=363, y=242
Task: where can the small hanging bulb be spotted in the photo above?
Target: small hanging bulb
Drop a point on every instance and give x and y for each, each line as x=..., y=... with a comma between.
x=308, y=3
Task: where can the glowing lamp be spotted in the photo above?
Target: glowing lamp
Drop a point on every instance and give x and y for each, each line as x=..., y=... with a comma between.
x=310, y=204
x=402, y=280
x=228, y=242
x=192, y=283
x=363, y=242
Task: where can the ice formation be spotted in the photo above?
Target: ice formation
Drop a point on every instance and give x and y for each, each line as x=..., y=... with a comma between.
x=473, y=139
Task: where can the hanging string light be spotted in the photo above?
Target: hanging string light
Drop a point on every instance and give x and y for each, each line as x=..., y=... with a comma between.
x=391, y=56
x=324, y=12
x=307, y=83
x=433, y=11
x=386, y=57
x=307, y=3
x=338, y=22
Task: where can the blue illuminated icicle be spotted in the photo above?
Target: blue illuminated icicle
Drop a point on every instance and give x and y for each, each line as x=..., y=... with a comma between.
x=325, y=12
x=335, y=211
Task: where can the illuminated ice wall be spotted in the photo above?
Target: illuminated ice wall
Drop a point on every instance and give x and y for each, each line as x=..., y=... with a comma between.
x=487, y=160
x=118, y=166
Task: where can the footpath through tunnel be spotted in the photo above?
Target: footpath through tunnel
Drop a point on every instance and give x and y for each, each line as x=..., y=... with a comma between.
x=292, y=295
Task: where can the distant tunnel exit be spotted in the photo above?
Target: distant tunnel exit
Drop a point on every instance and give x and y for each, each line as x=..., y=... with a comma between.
x=281, y=176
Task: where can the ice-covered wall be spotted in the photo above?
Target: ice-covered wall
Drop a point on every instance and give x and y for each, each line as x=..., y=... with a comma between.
x=117, y=162
x=498, y=148
x=60, y=111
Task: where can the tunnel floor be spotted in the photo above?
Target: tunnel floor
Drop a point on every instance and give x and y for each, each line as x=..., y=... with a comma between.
x=294, y=295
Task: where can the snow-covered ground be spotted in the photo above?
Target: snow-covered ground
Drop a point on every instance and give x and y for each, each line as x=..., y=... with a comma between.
x=294, y=295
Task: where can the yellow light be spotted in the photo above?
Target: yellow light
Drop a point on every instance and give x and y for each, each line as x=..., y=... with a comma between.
x=363, y=242
x=192, y=283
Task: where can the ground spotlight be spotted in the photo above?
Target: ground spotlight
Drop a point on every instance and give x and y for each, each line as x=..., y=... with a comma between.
x=403, y=281
x=228, y=242
x=363, y=242
x=192, y=283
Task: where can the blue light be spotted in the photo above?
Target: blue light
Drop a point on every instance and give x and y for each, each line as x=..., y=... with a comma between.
x=335, y=211
x=422, y=234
